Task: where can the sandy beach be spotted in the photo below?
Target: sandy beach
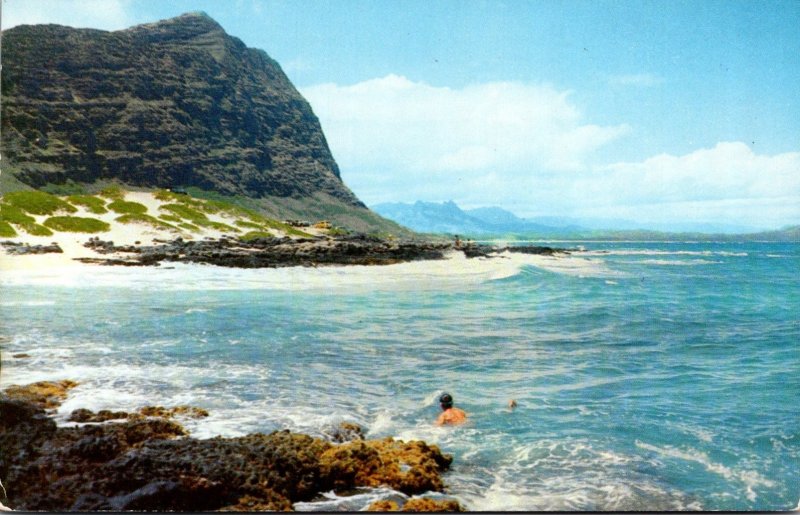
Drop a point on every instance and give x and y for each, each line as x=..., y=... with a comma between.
x=72, y=244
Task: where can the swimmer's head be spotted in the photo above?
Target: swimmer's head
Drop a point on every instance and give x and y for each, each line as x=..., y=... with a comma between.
x=446, y=401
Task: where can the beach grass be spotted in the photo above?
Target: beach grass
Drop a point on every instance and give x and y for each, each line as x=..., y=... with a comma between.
x=113, y=193
x=6, y=230
x=189, y=214
x=125, y=207
x=94, y=204
x=185, y=212
x=10, y=214
x=170, y=218
x=139, y=218
x=248, y=225
x=13, y=214
x=35, y=229
x=189, y=227
x=194, y=210
x=76, y=224
x=38, y=202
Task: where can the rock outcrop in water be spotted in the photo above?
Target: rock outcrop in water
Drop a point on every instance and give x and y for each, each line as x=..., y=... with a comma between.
x=148, y=463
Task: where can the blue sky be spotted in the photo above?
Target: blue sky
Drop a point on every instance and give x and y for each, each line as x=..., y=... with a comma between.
x=653, y=111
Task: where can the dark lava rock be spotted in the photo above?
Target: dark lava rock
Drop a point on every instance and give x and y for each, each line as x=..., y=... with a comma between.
x=150, y=465
x=270, y=252
x=20, y=249
x=85, y=415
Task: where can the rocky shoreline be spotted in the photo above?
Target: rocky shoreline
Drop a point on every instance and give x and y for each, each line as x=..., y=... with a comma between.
x=286, y=252
x=146, y=461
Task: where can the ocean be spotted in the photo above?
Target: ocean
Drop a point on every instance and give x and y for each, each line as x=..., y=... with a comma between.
x=648, y=376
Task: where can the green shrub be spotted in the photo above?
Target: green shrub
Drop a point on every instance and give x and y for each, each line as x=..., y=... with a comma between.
x=95, y=205
x=6, y=231
x=249, y=225
x=171, y=218
x=14, y=215
x=255, y=234
x=185, y=212
x=135, y=218
x=113, y=193
x=189, y=227
x=76, y=224
x=124, y=207
x=219, y=226
x=38, y=202
x=165, y=195
x=35, y=229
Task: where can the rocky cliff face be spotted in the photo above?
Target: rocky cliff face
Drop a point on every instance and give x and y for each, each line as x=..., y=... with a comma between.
x=168, y=104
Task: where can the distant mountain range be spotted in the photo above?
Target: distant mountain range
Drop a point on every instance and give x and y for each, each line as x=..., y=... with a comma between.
x=449, y=218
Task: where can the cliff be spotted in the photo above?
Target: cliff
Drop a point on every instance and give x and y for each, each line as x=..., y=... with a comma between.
x=177, y=103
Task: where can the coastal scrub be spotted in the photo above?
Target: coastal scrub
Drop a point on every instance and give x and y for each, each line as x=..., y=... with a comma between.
x=38, y=202
x=93, y=204
x=6, y=231
x=125, y=207
x=76, y=224
x=134, y=218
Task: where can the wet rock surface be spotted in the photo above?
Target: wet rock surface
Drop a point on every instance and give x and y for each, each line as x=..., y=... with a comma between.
x=44, y=394
x=149, y=463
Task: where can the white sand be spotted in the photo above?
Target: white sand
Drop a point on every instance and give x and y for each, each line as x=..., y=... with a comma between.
x=456, y=268
x=121, y=234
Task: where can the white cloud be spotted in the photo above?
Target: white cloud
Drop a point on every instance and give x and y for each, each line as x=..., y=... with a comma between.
x=98, y=14
x=399, y=124
x=528, y=148
x=729, y=170
x=728, y=182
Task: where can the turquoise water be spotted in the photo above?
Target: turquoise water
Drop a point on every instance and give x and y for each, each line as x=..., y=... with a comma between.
x=648, y=376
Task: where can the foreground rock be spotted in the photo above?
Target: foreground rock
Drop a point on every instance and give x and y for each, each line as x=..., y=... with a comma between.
x=150, y=464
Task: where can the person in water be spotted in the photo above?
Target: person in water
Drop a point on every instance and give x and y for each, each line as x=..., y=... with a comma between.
x=450, y=415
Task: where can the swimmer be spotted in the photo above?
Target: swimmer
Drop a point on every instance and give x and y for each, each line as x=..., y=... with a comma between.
x=512, y=404
x=450, y=415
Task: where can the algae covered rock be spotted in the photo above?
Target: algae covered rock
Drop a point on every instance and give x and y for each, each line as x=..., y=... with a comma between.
x=46, y=394
x=410, y=467
x=418, y=504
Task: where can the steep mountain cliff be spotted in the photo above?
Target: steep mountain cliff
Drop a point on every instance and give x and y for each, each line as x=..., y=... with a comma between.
x=178, y=103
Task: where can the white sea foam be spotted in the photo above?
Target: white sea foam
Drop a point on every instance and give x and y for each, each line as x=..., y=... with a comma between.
x=455, y=271
x=569, y=476
x=356, y=502
x=751, y=479
x=679, y=262
x=655, y=252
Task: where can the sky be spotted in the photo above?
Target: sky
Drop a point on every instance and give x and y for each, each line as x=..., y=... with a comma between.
x=655, y=111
